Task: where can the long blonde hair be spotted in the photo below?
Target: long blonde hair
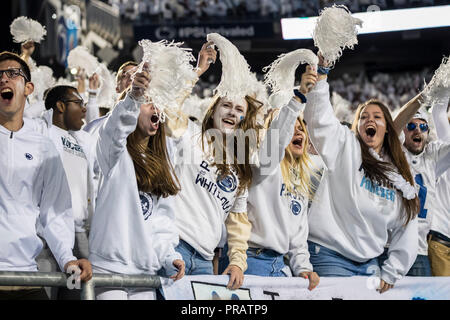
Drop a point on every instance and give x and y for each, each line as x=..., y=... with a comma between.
x=297, y=172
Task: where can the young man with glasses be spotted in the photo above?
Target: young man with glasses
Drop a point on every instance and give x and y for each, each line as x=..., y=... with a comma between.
x=33, y=187
x=62, y=123
x=427, y=160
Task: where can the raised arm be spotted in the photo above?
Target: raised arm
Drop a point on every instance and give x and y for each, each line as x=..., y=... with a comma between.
x=406, y=113
x=177, y=123
x=122, y=122
x=440, y=119
x=326, y=132
x=281, y=129
x=92, y=106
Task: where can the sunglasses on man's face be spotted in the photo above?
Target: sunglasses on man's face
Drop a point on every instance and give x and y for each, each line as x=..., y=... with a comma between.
x=412, y=126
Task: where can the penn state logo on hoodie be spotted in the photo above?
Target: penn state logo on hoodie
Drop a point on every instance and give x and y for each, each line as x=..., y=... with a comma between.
x=146, y=204
x=228, y=183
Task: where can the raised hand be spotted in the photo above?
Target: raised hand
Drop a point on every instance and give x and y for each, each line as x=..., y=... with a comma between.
x=309, y=80
x=94, y=82
x=27, y=49
x=206, y=56
x=140, y=83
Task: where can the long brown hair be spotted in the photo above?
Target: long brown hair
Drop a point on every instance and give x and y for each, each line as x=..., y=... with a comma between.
x=154, y=172
x=244, y=170
x=377, y=170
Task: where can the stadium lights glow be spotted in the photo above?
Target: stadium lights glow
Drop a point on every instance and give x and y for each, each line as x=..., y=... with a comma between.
x=376, y=21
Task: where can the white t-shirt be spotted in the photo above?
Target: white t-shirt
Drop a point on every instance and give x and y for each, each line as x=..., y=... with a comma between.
x=76, y=168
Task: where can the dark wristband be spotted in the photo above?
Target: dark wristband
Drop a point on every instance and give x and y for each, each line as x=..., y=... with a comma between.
x=300, y=95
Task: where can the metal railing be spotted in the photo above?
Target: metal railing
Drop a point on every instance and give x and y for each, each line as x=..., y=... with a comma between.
x=59, y=279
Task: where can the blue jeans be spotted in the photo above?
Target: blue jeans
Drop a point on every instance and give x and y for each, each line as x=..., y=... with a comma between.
x=195, y=263
x=329, y=263
x=265, y=262
x=260, y=262
x=421, y=267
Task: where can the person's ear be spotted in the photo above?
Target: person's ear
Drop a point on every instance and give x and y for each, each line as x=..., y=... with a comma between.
x=29, y=88
x=60, y=106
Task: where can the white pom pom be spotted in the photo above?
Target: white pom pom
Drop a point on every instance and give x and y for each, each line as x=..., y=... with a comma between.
x=79, y=57
x=280, y=76
x=409, y=192
x=107, y=95
x=439, y=86
x=236, y=81
x=42, y=78
x=24, y=29
x=335, y=30
x=171, y=73
x=196, y=107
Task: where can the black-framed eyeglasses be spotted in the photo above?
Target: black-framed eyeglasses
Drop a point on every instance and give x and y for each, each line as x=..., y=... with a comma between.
x=79, y=102
x=13, y=73
x=412, y=126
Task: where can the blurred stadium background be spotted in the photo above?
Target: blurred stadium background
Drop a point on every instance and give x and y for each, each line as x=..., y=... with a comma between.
x=390, y=65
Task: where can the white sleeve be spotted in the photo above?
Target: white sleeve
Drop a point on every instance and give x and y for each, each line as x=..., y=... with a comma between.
x=442, y=148
x=165, y=235
x=240, y=203
x=325, y=131
x=55, y=206
x=402, y=252
x=298, y=247
x=440, y=152
x=92, y=111
x=440, y=119
x=113, y=134
x=278, y=137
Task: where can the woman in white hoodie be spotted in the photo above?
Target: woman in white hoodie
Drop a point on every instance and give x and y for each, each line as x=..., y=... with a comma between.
x=130, y=233
x=366, y=189
x=279, y=219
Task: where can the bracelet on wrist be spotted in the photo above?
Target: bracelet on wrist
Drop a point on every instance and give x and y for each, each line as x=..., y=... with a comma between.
x=300, y=95
x=323, y=70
